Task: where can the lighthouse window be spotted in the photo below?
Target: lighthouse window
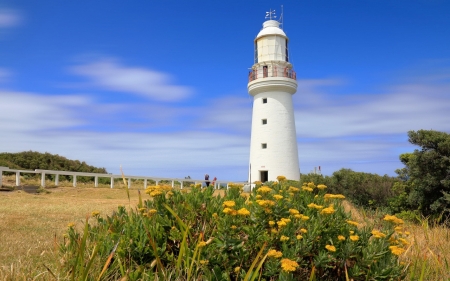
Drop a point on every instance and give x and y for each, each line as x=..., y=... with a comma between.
x=265, y=71
x=264, y=121
x=287, y=53
x=264, y=145
x=264, y=100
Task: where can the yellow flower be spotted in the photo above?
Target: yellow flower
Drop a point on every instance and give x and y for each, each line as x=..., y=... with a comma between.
x=314, y=206
x=341, y=238
x=305, y=218
x=156, y=193
x=229, y=204
x=354, y=237
x=351, y=232
x=243, y=212
x=330, y=248
x=378, y=234
x=288, y=265
x=271, y=223
x=227, y=210
x=311, y=185
x=321, y=186
x=284, y=238
x=169, y=194
x=281, y=178
x=398, y=228
x=258, y=196
x=293, y=211
x=281, y=223
x=215, y=215
x=274, y=230
x=278, y=197
x=403, y=241
x=204, y=262
x=264, y=189
x=258, y=182
x=328, y=211
x=274, y=254
x=299, y=237
x=393, y=219
x=265, y=203
x=233, y=227
x=95, y=213
x=407, y=233
x=70, y=224
x=352, y=223
x=302, y=230
x=293, y=189
x=333, y=196
x=396, y=250
x=151, y=212
x=305, y=188
x=201, y=244
x=237, y=269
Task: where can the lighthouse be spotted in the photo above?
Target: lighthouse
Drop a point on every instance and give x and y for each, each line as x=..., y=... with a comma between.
x=272, y=82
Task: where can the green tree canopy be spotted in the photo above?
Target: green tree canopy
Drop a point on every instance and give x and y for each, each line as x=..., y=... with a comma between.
x=427, y=172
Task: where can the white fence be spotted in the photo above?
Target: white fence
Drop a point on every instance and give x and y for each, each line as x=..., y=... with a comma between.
x=96, y=176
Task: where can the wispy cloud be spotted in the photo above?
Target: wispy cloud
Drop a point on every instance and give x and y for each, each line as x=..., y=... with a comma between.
x=110, y=75
x=9, y=18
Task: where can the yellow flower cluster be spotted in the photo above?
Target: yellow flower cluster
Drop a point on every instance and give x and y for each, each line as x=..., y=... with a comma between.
x=243, y=212
x=299, y=237
x=354, y=223
x=333, y=196
x=288, y=265
x=328, y=211
x=278, y=196
x=321, y=186
x=95, y=213
x=157, y=190
x=330, y=248
x=281, y=178
x=306, y=188
x=314, y=206
x=265, y=203
x=396, y=250
x=274, y=254
x=264, y=189
x=229, y=204
x=284, y=238
x=341, y=238
x=236, y=186
x=302, y=217
x=283, y=222
x=293, y=189
x=378, y=234
x=293, y=212
x=393, y=219
x=354, y=238
x=230, y=211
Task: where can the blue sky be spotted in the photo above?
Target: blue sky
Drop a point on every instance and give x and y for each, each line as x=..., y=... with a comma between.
x=160, y=87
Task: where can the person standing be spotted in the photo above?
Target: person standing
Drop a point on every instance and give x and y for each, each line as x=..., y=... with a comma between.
x=207, y=180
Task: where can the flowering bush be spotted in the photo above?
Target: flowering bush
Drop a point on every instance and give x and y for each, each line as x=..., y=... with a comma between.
x=275, y=232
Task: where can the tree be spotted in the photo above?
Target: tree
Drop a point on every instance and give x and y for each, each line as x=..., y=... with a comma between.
x=427, y=172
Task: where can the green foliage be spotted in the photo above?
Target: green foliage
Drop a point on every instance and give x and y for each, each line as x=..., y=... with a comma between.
x=31, y=160
x=363, y=189
x=426, y=174
x=277, y=232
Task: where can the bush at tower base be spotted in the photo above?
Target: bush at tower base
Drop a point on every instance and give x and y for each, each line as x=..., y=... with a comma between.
x=276, y=232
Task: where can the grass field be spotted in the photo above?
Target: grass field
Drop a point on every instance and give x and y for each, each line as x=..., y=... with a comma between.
x=31, y=224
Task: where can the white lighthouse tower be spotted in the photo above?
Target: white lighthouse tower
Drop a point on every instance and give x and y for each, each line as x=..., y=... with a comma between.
x=272, y=82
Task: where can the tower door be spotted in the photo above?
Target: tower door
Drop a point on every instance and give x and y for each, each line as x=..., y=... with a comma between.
x=263, y=176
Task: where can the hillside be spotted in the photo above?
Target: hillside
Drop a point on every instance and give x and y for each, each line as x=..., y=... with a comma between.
x=30, y=160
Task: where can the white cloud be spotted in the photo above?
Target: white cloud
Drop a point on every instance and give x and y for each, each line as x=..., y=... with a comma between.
x=399, y=109
x=9, y=18
x=110, y=75
x=28, y=112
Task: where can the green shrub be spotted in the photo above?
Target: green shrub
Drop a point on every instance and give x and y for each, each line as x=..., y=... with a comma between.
x=277, y=232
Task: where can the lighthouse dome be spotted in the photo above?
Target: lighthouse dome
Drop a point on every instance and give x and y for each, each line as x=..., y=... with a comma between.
x=271, y=27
